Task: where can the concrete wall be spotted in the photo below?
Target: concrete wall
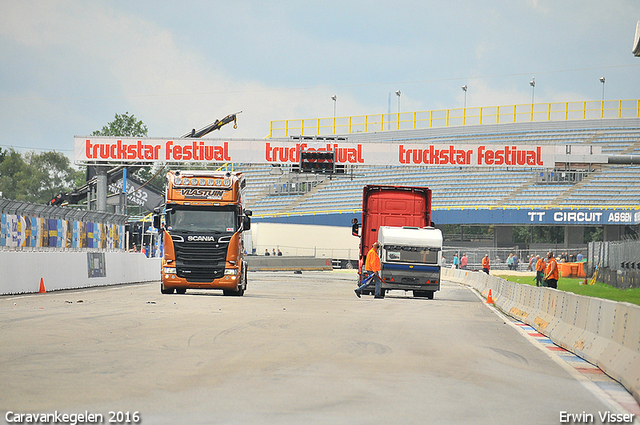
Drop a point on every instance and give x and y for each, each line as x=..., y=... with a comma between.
x=284, y=263
x=21, y=272
x=603, y=332
x=305, y=240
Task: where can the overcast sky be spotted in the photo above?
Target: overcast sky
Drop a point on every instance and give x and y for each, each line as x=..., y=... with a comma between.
x=67, y=67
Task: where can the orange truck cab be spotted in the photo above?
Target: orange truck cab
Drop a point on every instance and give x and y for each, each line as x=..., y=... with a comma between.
x=202, y=224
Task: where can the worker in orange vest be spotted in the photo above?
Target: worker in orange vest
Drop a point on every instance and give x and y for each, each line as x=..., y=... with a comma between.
x=540, y=266
x=485, y=264
x=372, y=266
x=551, y=275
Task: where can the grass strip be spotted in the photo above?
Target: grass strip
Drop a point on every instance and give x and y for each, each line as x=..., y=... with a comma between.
x=597, y=290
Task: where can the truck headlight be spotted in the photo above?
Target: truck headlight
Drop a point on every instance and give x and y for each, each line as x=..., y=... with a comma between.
x=169, y=270
x=230, y=272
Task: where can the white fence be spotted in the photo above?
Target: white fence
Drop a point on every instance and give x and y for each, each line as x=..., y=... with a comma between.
x=23, y=271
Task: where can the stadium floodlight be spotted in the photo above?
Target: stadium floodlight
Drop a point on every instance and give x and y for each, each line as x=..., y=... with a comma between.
x=398, y=93
x=335, y=100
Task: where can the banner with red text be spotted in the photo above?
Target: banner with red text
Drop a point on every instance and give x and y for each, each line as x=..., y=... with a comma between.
x=92, y=149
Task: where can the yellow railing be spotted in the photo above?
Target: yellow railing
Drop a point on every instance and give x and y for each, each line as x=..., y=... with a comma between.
x=532, y=112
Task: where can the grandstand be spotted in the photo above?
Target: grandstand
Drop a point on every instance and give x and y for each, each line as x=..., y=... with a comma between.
x=585, y=186
x=288, y=208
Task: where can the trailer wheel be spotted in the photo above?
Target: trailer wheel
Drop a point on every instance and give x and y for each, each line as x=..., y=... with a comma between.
x=420, y=294
x=430, y=294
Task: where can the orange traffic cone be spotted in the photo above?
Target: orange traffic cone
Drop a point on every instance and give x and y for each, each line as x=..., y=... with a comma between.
x=489, y=298
x=42, y=290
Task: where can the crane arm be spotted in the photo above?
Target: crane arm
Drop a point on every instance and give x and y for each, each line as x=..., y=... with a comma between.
x=211, y=127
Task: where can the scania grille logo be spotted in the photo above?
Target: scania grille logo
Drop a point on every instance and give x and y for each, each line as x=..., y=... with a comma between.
x=201, y=238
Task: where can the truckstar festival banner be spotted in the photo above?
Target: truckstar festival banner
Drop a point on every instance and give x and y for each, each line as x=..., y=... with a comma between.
x=285, y=151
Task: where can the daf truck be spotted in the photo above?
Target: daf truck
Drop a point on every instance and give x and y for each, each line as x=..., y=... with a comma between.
x=203, y=224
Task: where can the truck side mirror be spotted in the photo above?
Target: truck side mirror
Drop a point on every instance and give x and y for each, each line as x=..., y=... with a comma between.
x=156, y=221
x=246, y=222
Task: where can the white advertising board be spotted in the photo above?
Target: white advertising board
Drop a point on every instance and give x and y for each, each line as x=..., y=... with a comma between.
x=284, y=151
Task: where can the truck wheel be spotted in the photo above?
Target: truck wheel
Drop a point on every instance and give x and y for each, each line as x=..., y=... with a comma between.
x=229, y=293
x=241, y=286
x=244, y=278
x=165, y=291
x=181, y=291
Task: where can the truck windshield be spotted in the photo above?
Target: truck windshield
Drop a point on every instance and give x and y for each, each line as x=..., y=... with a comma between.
x=411, y=254
x=201, y=220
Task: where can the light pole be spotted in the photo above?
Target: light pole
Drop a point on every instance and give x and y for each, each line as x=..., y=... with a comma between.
x=464, y=109
x=398, y=123
x=464, y=89
x=602, y=80
x=532, y=83
x=335, y=99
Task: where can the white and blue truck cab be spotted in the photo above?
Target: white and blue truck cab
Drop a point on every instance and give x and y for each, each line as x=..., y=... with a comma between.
x=411, y=259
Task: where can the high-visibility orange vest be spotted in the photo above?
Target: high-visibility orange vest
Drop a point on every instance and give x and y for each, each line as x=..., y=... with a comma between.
x=372, y=263
x=554, y=273
x=540, y=265
x=485, y=263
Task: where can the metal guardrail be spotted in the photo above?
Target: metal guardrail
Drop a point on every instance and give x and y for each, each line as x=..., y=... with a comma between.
x=532, y=112
x=295, y=184
x=498, y=257
x=619, y=256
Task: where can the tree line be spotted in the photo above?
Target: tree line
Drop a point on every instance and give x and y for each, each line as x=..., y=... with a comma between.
x=38, y=177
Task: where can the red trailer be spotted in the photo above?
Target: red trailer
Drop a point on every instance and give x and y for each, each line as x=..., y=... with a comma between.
x=397, y=207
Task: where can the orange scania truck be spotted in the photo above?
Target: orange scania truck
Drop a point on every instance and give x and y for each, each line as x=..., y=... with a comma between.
x=202, y=225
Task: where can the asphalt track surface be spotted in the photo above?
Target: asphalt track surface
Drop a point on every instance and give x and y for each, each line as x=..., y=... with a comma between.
x=296, y=349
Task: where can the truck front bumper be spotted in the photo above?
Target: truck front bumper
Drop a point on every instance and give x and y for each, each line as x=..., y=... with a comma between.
x=230, y=280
